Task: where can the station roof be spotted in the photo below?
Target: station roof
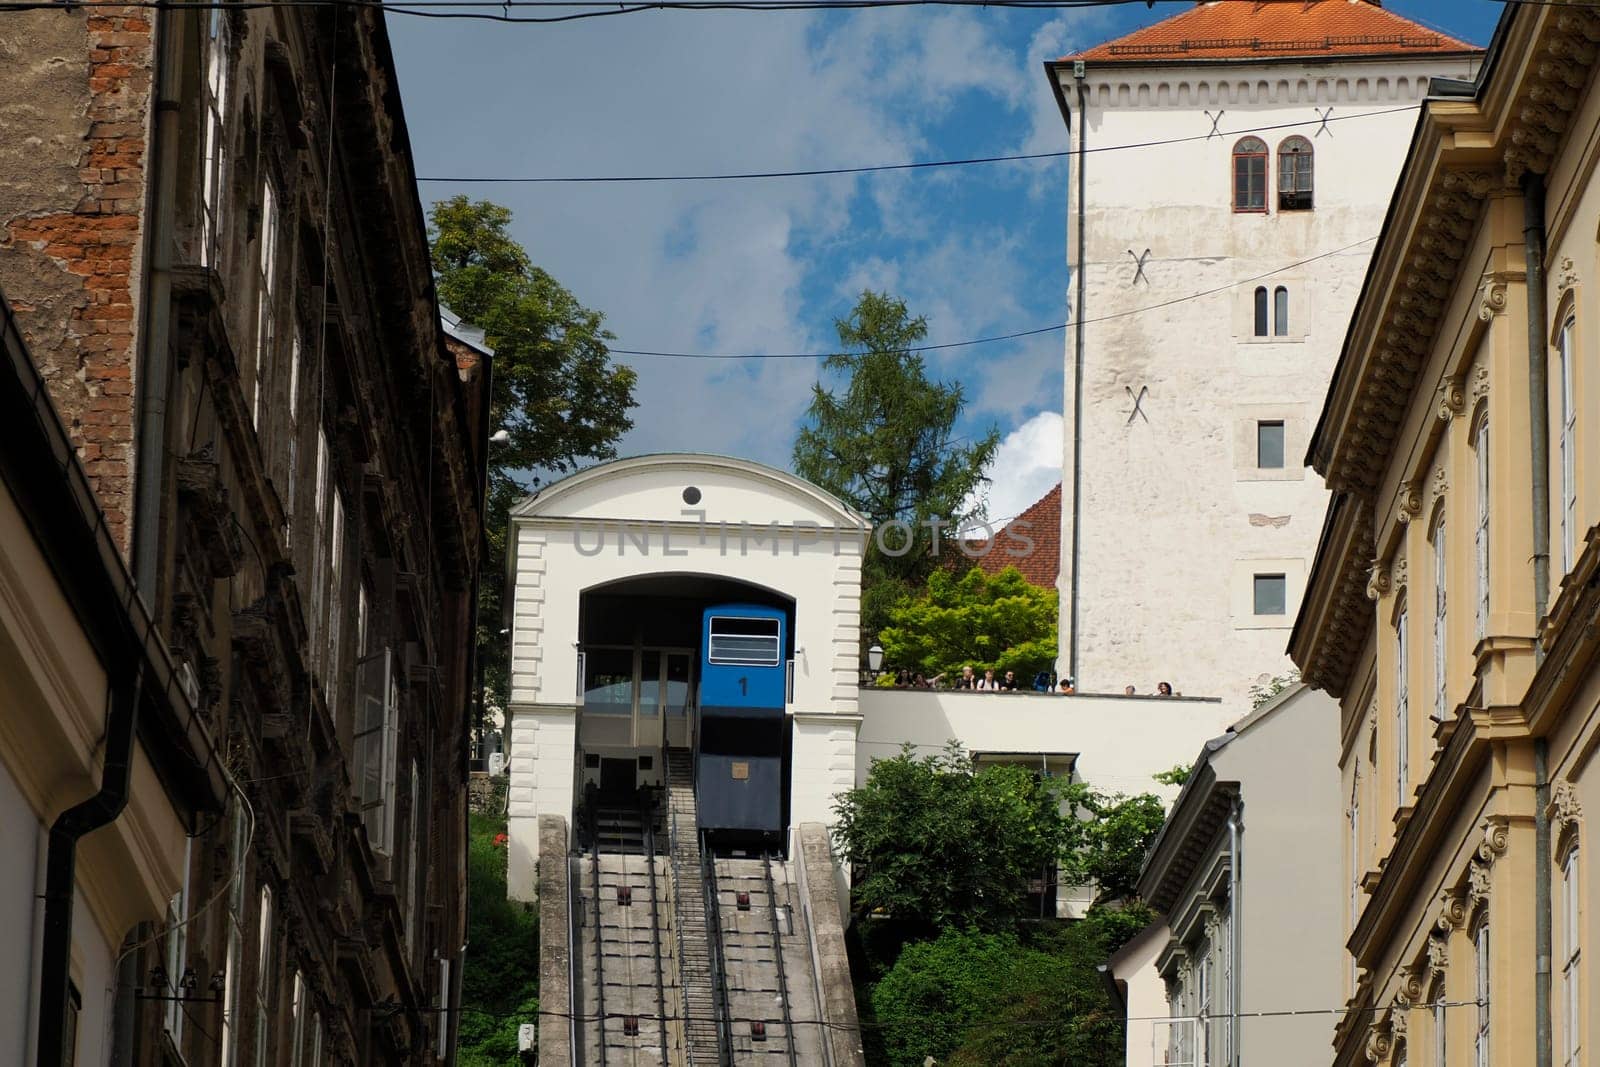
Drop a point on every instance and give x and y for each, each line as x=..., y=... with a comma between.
x=1232, y=30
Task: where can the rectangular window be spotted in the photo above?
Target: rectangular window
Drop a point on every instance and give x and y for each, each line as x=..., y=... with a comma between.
x=316, y=1041
x=319, y=552
x=1402, y=704
x=413, y=850
x=335, y=600
x=1569, y=421
x=1480, y=957
x=266, y=299
x=746, y=642
x=177, y=953
x=293, y=451
x=1269, y=445
x=297, y=1017
x=1271, y=593
x=69, y=1054
x=263, y=975
x=1203, y=1007
x=212, y=180
x=1441, y=1032
x=1441, y=629
x=235, y=953
x=376, y=744
x=1571, y=951
x=1481, y=537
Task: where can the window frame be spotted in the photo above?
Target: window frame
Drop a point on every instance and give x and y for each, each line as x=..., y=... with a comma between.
x=1441, y=617
x=1255, y=594
x=1568, y=411
x=1282, y=444
x=264, y=964
x=1244, y=150
x=1480, y=446
x=1280, y=311
x=1296, y=198
x=1402, y=701
x=1261, y=307
x=266, y=299
x=1571, y=960
x=214, y=161
x=1480, y=961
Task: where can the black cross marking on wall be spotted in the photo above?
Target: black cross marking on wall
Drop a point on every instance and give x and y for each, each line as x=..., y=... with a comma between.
x=1138, y=267
x=1323, y=115
x=1214, y=120
x=1144, y=391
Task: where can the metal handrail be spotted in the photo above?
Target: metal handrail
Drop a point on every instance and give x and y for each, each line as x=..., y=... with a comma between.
x=599, y=952
x=719, y=983
x=677, y=927
x=648, y=817
x=777, y=953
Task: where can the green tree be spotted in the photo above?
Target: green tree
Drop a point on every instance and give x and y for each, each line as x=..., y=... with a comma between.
x=885, y=445
x=557, y=394
x=995, y=1000
x=1107, y=843
x=1001, y=622
x=500, y=979
x=935, y=840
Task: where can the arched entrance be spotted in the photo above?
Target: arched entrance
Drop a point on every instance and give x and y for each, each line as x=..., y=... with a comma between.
x=643, y=666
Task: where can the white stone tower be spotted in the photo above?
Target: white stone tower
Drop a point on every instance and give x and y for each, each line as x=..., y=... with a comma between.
x=1220, y=267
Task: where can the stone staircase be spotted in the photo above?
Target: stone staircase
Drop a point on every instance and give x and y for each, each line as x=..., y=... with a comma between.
x=696, y=976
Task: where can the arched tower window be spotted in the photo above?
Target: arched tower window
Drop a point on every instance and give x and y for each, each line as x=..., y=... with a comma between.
x=1261, y=325
x=1295, y=169
x=1250, y=175
x=1280, y=312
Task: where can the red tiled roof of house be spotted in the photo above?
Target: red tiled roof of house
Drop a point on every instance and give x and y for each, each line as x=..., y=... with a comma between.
x=1041, y=566
x=1266, y=29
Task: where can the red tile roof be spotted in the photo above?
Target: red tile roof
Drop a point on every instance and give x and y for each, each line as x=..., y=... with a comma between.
x=1042, y=565
x=1265, y=29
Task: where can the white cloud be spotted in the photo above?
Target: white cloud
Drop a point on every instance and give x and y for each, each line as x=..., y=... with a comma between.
x=729, y=267
x=1026, y=466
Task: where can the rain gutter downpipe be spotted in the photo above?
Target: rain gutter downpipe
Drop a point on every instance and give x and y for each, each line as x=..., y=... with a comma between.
x=61, y=864
x=1533, y=246
x=1078, y=74
x=1235, y=934
x=155, y=349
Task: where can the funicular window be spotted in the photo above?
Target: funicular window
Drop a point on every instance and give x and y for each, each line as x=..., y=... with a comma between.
x=744, y=641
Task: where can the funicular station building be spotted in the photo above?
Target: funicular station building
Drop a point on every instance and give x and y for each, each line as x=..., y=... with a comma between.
x=686, y=703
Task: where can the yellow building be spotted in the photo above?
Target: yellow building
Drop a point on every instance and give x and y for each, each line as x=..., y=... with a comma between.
x=1454, y=608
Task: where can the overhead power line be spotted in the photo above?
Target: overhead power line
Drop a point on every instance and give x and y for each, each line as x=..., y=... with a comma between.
x=997, y=338
x=875, y=168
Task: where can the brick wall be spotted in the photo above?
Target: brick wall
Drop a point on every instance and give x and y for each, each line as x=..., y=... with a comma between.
x=77, y=129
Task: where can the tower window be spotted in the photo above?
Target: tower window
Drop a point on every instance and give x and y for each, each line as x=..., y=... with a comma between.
x=1269, y=445
x=1295, y=163
x=1271, y=594
x=1261, y=311
x=1250, y=175
x=1280, y=312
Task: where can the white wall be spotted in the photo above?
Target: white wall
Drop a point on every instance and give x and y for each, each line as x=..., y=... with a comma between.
x=1119, y=741
x=1174, y=518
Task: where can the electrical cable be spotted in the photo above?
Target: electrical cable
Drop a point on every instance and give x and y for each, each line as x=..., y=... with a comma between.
x=878, y=168
x=996, y=338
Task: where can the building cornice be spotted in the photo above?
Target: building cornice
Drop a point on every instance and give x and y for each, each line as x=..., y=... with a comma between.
x=1465, y=151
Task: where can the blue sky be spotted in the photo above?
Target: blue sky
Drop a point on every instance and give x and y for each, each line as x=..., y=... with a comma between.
x=768, y=265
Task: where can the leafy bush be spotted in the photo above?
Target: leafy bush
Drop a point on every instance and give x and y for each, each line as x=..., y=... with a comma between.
x=994, y=1000
x=937, y=841
x=1000, y=622
x=500, y=978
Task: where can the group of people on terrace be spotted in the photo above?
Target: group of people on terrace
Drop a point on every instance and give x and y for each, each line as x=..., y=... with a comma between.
x=1006, y=682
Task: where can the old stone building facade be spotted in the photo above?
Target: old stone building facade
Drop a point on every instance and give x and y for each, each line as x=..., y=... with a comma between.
x=211, y=237
x=1452, y=608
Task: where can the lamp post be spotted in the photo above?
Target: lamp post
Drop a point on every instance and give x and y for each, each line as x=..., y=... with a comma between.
x=874, y=660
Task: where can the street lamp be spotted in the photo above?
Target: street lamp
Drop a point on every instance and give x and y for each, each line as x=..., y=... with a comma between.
x=500, y=437
x=875, y=658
